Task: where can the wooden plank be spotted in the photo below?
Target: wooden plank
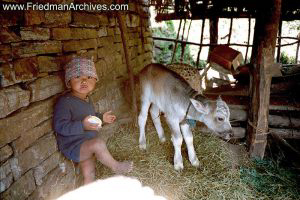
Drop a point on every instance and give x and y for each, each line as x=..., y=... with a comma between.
x=286, y=133
x=284, y=121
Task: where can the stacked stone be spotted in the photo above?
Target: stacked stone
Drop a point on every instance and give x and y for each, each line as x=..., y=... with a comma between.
x=34, y=47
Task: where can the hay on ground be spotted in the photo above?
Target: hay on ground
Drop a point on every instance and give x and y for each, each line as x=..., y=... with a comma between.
x=216, y=179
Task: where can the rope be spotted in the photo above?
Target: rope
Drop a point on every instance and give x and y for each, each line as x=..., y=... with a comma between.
x=260, y=133
x=186, y=112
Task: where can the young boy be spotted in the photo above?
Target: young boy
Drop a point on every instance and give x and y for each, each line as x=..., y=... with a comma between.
x=76, y=136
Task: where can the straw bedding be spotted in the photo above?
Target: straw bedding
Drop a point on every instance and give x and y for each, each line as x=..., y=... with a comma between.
x=216, y=179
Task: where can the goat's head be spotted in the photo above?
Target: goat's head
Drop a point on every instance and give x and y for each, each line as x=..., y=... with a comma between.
x=215, y=115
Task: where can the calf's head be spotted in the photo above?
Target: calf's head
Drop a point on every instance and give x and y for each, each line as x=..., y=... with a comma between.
x=215, y=115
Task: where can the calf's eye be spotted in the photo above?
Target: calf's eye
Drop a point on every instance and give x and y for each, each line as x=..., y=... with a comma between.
x=221, y=119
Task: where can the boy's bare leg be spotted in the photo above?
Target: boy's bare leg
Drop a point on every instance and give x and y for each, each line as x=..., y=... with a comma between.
x=98, y=147
x=88, y=170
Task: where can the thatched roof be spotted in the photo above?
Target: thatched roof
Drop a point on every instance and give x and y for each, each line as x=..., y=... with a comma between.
x=199, y=9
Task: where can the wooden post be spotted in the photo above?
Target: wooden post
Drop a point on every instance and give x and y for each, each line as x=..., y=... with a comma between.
x=262, y=59
x=129, y=67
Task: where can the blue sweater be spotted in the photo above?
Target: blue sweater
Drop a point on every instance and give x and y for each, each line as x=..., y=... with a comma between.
x=67, y=121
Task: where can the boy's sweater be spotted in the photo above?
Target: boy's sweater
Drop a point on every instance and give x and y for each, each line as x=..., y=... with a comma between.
x=67, y=122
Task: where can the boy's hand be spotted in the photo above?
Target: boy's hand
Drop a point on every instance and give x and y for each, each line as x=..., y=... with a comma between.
x=89, y=126
x=108, y=117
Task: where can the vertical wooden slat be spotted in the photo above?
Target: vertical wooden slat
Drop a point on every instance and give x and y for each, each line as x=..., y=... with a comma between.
x=230, y=31
x=201, y=42
x=213, y=34
x=182, y=43
x=182, y=37
x=279, y=41
x=262, y=59
x=249, y=34
x=174, y=50
x=297, y=51
x=187, y=37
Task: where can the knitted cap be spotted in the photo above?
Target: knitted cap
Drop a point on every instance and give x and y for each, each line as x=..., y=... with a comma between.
x=80, y=67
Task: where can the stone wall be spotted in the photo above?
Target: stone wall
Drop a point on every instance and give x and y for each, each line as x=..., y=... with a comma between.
x=34, y=47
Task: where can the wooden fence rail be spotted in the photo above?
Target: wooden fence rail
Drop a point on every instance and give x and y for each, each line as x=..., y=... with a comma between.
x=234, y=44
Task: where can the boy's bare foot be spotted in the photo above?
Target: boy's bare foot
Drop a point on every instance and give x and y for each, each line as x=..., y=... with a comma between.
x=123, y=167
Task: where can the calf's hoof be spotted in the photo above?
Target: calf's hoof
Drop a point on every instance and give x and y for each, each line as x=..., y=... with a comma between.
x=196, y=163
x=142, y=146
x=178, y=167
x=162, y=139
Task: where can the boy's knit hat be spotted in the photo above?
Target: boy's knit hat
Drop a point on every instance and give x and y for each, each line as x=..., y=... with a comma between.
x=79, y=67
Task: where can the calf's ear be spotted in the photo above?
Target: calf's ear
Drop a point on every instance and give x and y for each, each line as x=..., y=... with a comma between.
x=200, y=107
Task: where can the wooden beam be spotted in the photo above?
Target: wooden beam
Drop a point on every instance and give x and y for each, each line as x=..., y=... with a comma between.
x=207, y=45
x=197, y=44
x=262, y=59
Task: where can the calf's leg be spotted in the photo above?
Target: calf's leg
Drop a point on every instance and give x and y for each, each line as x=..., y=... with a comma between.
x=142, y=122
x=154, y=111
x=188, y=138
x=177, y=142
